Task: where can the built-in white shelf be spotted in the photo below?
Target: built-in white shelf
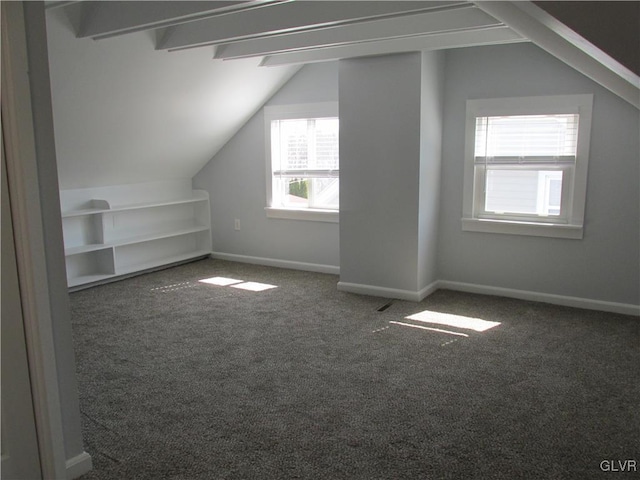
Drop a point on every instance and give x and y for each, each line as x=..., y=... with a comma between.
x=135, y=239
x=88, y=279
x=85, y=211
x=198, y=196
x=85, y=248
x=167, y=261
x=106, y=238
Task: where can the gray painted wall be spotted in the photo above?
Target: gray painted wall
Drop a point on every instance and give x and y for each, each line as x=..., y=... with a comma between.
x=235, y=180
x=605, y=265
x=380, y=114
x=431, y=114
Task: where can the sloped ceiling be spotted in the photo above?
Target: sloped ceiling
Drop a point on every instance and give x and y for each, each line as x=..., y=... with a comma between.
x=126, y=113
x=151, y=90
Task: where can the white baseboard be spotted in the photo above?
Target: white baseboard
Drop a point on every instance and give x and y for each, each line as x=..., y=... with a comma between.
x=417, y=296
x=78, y=465
x=578, y=302
x=274, y=262
x=412, y=296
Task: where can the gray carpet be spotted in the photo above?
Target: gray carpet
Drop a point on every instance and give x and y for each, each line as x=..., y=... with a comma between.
x=180, y=379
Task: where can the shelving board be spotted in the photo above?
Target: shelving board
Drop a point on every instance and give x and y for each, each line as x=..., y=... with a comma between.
x=86, y=279
x=134, y=239
x=138, y=206
x=86, y=248
x=84, y=211
x=166, y=261
x=158, y=234
x=90, y=207
x=110, y=233
x=133, y=206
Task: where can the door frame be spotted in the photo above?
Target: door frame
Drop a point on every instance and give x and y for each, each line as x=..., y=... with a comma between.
x=20, y=456
x=24, y=194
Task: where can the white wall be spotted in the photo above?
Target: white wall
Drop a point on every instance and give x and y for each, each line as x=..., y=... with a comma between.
x=380, y=171
x=126, y=113
x=390, y=155
x=235, y=180
x=605, y=265
x=431, y=111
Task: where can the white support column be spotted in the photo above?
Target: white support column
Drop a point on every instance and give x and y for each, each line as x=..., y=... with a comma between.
x=390, y=156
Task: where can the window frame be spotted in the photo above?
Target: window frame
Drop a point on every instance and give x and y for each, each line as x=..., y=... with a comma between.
x=570, y=222
x=290, y=112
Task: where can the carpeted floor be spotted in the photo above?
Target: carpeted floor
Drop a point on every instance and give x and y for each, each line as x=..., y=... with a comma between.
x=184, y=380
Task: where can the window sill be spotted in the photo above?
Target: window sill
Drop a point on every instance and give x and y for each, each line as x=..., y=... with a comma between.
x=522, y=228
x=329, y=216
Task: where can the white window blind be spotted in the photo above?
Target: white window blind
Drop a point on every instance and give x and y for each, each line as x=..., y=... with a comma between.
x=526, y=139
x=305, y=147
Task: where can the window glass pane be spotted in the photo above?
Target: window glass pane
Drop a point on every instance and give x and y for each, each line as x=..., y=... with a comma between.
x=290, y=192
x=296, y=192
x=326, y=130
x=294, y=144
x=518, y=191
x=321, y=193
x=305, y=163
x=553, y=194
x=527, y=136
x=325, y=192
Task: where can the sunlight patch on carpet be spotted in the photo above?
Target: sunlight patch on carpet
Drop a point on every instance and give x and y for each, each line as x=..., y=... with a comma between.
x=220, y=281
x=235, y=283
x=457, y=321
x=253, y=286
x=173, y=287
x=439, y=330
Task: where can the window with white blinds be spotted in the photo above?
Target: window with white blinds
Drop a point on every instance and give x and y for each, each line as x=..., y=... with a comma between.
x=526, y=161
x=526, y=138
x=303, y=161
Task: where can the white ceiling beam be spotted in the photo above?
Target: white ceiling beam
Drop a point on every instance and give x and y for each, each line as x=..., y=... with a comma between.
x=109, y=18
x=285, y=17
x=462, y=18
x=438, y=41
x=524, y=18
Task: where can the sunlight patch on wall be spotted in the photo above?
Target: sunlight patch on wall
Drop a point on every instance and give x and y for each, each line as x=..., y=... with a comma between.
x=458, y=321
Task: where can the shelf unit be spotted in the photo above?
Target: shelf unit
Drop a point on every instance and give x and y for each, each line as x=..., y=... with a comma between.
x=104, y=239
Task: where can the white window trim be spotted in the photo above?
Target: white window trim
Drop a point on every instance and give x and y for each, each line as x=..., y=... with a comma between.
x=316, y=214
x=284, y=112
x=573, y=225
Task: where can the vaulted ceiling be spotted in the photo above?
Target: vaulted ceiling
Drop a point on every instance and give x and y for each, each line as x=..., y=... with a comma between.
x=164, y=96
x=286, y=31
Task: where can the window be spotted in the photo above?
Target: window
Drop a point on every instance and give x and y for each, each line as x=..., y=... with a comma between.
x=526, y=165
x=303, y=161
